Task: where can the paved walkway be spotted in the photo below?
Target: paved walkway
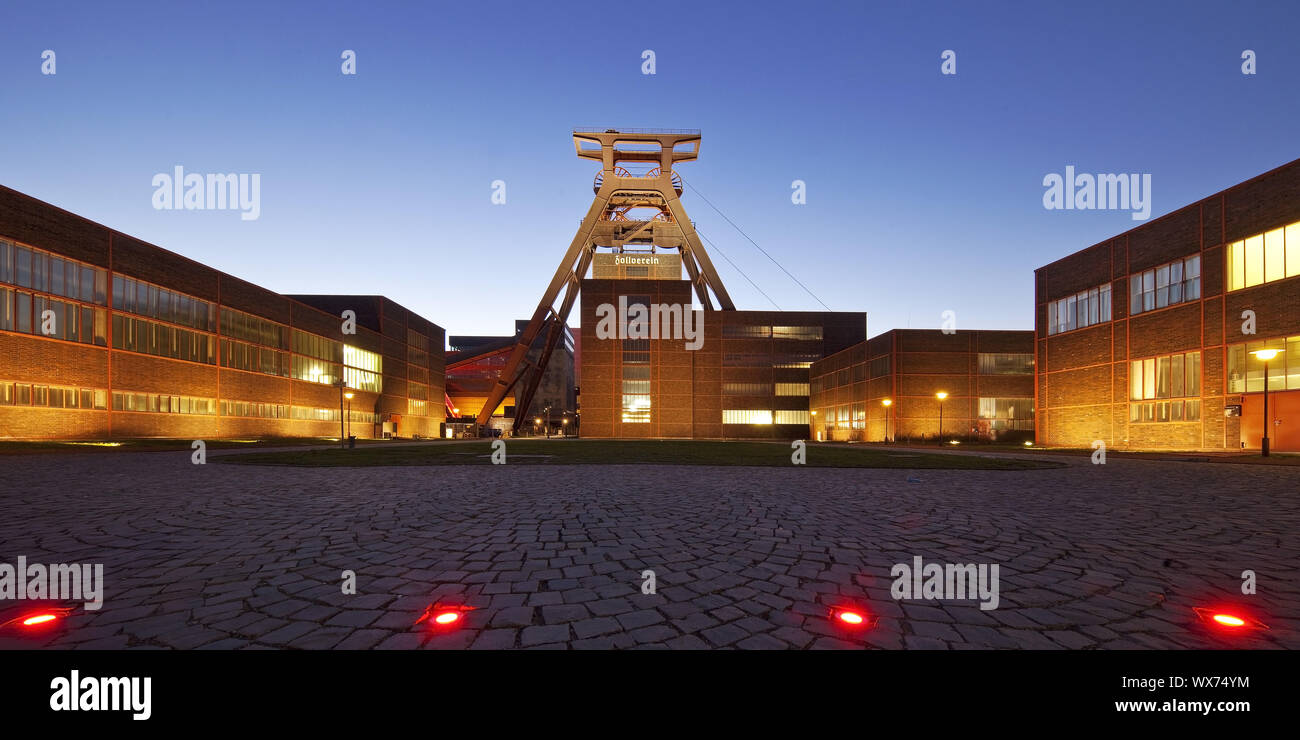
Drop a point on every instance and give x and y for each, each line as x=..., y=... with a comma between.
x=225, y=556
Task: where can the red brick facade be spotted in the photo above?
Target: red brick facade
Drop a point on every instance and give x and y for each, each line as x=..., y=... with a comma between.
x=750, y=363
x=33, y=367
x=1083, y=381
x=909, y=367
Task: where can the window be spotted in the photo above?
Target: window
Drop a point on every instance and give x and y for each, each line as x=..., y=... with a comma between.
x=879, y=366
x=1003, y=414
x=247, y=327
x=742, y=331
x=746, y=416
x=1264, y=258
x=1169, y=377
x=1082, y=309
x=791, y=389
x=362, y=369
x=138, y=335
x=142, y=298
x=636, y=408
x=163, y=404
x=797, y=332
x=1166, y=285
x=799, y=416
x=735, y=389
x=991, y=363
x=1246, y=371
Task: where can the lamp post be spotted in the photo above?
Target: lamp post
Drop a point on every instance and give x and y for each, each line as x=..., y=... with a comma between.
x=348, y=395
x=941, y=395
x=1265, y=355
x=564, y=427
x=887, y=402
x=548, y=421
x=343, y=442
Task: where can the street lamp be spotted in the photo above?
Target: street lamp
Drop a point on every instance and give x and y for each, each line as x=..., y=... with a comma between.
x=343, y=442
x=548, y=421
x=564, y=426
x=886, y=402
x=1265, y=355
x=348, y=396
x=941, y=395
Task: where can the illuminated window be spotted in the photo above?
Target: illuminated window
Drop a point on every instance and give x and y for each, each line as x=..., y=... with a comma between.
x=791, y=389
x=164, y=404
x=744, y=389
x=1246, y=371
x=1263, y=258
x=361, y=369
x=1006, y=414
x=797, y=332
x=636, y=409
x=792, y=417
x=746, y=416
x=1169, y=377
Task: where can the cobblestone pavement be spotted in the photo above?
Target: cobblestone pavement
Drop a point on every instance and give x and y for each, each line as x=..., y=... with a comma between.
x=224, y=556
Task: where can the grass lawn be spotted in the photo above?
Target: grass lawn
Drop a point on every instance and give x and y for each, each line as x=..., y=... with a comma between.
x=8, y=447
x=631, y=452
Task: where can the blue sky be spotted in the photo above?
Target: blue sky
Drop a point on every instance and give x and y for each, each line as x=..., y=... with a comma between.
x=924, y=191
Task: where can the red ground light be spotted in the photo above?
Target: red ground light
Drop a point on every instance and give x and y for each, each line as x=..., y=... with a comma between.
x=850, y=617
x=39, y=619
x=1226, y=620
x=443, y=616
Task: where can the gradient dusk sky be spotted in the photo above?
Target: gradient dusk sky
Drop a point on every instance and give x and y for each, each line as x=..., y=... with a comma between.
x=924, y=191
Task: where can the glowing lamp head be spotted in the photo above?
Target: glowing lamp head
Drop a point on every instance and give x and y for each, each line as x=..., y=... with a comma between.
x=941, y=395
x=348, y=395
x=887, y=402
x=1228, y=620
x=851, y=618
x=1265, y=354
x=447, y=618
x=39, y=619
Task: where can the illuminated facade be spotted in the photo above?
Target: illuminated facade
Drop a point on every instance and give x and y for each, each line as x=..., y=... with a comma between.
x=103, y=335
x=747, y=377
x=888, y=388
x=1146, y=340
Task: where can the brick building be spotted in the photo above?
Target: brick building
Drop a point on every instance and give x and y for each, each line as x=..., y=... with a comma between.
x=748, y=378
x=1145, y=340
x=888, y=387
x=103, y=335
